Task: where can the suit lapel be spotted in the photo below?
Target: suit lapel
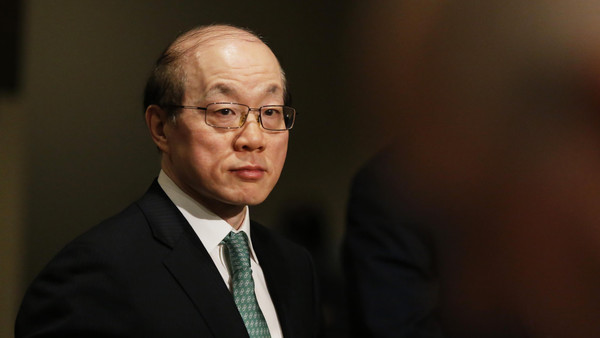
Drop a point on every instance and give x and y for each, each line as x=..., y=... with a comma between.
x=195, y=271
x=191, y=265
x=276, y=274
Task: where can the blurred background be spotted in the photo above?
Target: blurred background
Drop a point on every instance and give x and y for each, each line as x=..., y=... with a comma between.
x=75, y=149
x=494, y=105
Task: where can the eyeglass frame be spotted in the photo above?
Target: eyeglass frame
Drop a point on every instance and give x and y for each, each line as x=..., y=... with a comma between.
x=244, y=117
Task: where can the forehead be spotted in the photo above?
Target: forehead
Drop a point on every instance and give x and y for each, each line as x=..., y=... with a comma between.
x=232, y=63
x=242, y=56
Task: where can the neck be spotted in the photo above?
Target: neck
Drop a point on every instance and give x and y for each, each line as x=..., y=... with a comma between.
x=232, y=214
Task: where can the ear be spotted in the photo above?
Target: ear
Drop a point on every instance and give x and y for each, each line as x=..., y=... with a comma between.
x=156, y=120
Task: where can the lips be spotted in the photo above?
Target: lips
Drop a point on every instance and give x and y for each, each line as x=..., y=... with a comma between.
x=250, y=173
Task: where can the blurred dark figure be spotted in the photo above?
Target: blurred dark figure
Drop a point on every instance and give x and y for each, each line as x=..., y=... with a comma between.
x=482, y=218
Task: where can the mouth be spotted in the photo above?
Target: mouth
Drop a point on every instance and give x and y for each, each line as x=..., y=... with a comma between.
x=249, y=173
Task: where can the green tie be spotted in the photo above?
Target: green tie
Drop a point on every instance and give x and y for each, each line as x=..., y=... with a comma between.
x=243, y=285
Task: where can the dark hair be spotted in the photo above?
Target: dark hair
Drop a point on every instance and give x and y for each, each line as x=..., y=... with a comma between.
x=166, y=84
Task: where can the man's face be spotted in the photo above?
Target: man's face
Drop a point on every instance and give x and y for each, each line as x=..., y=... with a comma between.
x=221, y=168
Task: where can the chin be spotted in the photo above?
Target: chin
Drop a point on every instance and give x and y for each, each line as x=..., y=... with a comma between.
x=251, y=196
x=252, y=200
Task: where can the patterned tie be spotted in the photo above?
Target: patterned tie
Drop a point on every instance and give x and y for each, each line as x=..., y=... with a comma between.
x=243, y=285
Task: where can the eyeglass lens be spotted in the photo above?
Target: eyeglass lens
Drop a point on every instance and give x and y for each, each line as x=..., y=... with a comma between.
x=232, y=115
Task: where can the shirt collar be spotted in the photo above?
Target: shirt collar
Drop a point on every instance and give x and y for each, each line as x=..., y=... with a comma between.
x=209, y=227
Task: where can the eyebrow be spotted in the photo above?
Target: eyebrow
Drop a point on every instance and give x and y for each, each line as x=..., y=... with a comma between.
x=224, y=89
x=273, y=89
x=220, y=88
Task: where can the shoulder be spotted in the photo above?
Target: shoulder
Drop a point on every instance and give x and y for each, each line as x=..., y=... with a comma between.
x=114, y=243
x=109, y=245
x=125, y=227
x=89, y=283
x=88, y=270
x=151, y=220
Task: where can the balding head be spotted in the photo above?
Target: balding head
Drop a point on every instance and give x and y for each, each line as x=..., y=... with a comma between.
x=166, y=85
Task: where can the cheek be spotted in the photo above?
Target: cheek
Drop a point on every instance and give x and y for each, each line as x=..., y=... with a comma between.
x=201, y=152
x=209, y=155
x=280, y=151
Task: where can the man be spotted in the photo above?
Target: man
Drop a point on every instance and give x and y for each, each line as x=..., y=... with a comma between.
x=167, y=266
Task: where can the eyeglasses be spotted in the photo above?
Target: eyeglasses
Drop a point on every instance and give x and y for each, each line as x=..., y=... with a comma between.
x=229, y=115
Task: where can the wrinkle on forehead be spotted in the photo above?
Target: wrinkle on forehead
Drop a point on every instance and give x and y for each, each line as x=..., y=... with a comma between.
x=227, y=90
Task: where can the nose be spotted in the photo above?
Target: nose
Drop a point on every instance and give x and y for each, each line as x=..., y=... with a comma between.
x=251, y=135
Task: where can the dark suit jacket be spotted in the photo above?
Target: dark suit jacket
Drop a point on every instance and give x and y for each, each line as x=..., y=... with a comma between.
x=145, y=273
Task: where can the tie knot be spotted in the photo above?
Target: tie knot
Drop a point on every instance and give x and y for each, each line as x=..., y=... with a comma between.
x=239, y=252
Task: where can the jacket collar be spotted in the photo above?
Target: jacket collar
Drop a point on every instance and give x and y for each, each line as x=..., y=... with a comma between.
x=190, y=264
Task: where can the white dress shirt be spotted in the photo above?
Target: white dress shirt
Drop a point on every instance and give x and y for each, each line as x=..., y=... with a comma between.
x=211, y=229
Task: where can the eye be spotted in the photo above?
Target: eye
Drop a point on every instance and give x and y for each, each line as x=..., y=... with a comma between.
x=271, y=112
x=225, y=112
